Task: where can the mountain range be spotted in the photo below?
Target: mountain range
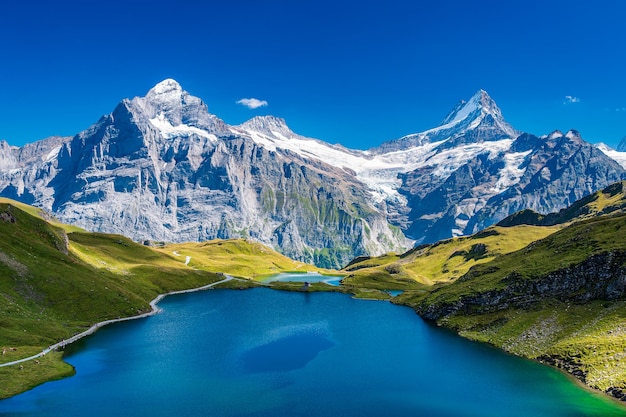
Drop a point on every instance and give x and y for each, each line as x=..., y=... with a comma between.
x=163, y=168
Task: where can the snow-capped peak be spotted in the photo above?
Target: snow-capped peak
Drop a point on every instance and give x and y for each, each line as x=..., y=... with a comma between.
x=268, y=125
x=478, y=119
x=167, y=93
x=573, y=134
x=165, y=87
x=465, y=108
x=167, y=106
x=622, y=145
x=472, y=112
x=617, y=155
x=555, y=134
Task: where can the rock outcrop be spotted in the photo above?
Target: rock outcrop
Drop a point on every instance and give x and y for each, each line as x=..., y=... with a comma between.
x=600, y=277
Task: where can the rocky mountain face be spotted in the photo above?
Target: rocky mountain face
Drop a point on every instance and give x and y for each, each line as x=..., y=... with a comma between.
x=544, y=174
x=161, y=167
x=622, y=145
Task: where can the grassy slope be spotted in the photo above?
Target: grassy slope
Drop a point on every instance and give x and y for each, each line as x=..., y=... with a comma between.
x=56, y=281
x=444, y=261
x=611, y=200
x=236, y=257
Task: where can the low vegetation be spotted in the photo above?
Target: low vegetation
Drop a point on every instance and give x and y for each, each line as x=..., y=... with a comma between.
x=444, y=261
x=238, y=257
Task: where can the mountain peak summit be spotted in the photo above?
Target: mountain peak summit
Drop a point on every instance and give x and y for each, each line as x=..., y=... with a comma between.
x=480, y=113
x=166, y=86
x=622, y=145
x=168, y=102
x=167, y=91
x=475, y=120
x=480, y=104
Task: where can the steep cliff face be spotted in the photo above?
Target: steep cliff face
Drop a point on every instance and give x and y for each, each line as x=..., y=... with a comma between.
x=161, y=167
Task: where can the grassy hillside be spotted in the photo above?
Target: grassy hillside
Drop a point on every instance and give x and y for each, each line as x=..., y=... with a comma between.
x=444, y=261
x=56, y=281
x=237, y=257
x=611, y=200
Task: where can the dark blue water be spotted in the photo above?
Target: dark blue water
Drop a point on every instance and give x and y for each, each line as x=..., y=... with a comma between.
x=268, y=353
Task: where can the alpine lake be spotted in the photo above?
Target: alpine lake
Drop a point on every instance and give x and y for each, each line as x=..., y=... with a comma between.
x=262, y=352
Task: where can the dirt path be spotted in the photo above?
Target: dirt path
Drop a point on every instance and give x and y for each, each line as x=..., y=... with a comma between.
x=92, y=329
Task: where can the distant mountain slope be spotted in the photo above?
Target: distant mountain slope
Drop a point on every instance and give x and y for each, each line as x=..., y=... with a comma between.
x=440, y=262
x=543, y=174
x=162, y=167
x=611, y=200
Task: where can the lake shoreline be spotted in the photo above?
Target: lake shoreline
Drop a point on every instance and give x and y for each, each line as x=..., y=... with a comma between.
x=154, y=309
x=365, y=325
x=578, y=381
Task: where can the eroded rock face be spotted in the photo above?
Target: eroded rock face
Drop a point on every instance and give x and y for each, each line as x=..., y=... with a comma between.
x=162, y=168
x=600, y=277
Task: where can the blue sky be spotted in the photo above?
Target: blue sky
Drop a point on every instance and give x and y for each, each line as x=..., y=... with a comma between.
x=351, y=72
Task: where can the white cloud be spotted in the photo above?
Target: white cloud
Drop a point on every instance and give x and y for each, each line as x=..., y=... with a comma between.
x=571, y=99
x=620, y=109
x=252, y=103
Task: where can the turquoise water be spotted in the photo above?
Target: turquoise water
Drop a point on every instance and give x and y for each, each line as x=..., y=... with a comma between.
x=305, y=277
x=268, y=353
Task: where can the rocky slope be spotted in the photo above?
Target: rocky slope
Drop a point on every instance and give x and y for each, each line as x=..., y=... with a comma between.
x=161, y=167
x=544, y=174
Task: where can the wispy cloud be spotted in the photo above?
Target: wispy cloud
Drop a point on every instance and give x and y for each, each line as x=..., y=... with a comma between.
x=252, y=103
x=571, y=99
x=620, y=109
